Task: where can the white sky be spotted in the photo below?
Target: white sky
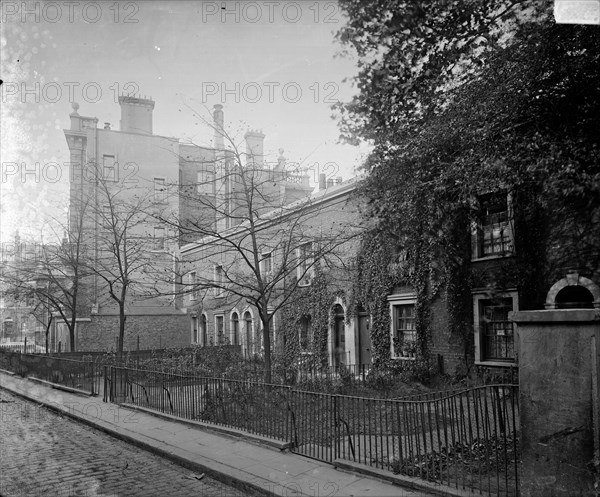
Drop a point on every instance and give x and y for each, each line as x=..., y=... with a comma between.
x=183, y=54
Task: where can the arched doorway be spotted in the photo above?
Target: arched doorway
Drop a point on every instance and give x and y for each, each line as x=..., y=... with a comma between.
x=339, y=336
x=248, y=331
x=194, y=329
x=203, y=330
x=235, y=329
x=364, y=336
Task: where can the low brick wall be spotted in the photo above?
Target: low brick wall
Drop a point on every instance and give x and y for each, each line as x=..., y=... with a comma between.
x=154, y=331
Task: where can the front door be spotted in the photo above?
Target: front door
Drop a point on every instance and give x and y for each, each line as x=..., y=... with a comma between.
x=339, y=352
x=364, y=338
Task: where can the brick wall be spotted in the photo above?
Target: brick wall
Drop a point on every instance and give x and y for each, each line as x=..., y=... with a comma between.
x=335, y=213
x=444, y=343
x=155, y=331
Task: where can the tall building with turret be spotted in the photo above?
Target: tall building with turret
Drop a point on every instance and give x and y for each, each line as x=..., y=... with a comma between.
x=188, y=188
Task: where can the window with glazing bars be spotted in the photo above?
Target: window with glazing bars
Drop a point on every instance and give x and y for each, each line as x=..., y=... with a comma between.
x=494, y=232
x=496, y=329
x=405, y=330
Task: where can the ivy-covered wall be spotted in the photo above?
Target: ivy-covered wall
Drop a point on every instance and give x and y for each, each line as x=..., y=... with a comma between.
x=513, y=119
x=316, y=301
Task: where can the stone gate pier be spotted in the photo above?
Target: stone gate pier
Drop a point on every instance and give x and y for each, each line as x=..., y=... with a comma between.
x=559, y=356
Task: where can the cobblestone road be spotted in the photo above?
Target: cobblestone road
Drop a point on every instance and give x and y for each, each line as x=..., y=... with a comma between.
x=44, y=454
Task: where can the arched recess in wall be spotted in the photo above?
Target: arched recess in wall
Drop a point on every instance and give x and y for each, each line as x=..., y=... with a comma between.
x=194, y=322
x=363, y=335
x=338, y=349
x=573, y=291
x=248, y=331
x=234, y=322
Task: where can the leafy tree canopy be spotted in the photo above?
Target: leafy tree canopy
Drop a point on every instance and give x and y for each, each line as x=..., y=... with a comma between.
x=461, y=98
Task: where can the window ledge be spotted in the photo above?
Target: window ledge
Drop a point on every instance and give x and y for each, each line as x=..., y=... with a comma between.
x=403, y=358
x=493, y=257
x=501, y=364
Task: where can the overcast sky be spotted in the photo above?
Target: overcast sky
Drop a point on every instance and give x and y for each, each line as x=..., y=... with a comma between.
x=271, y=64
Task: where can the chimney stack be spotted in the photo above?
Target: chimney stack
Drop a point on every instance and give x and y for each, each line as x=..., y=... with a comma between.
x=329, y=182
x=219, y=123
x=254, y=148
x=280, y=161
x=136, y=114
x=322, y=181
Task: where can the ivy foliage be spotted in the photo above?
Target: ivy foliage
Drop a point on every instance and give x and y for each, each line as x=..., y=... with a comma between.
x=526, y=122
x=381, y=268
x=373, y=283
x=314, y=301
x=465, y=98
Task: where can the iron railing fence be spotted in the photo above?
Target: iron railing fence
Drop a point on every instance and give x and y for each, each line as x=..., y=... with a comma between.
x=466, y=439
x=132, y=354
x=83, y=375
x=254, y=407
x=23, y=347
x=298, y=374
x=305, y=373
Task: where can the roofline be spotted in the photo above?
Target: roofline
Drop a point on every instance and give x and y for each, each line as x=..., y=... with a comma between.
x=314, y=199
x=84, y=132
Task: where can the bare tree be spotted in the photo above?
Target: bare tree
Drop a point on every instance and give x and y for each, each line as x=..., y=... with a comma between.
x=43, y=313
x=125, y=257
x=52, y=273
x=257, y=231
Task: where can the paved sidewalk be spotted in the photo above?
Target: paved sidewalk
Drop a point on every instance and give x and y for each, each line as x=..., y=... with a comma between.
x=236, y=462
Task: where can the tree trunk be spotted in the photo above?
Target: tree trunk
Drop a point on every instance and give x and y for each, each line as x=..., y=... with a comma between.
x=72, y=336
x=267, y=343
x=121, y=330
x=48, y=331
